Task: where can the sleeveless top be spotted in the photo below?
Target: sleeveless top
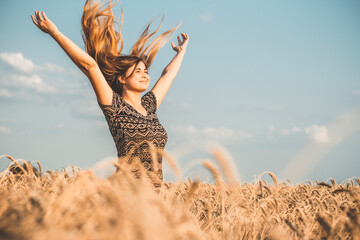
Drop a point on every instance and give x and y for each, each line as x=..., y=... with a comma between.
x=132, y=131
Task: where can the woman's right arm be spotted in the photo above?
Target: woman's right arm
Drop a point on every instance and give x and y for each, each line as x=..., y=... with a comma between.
x=81, y=59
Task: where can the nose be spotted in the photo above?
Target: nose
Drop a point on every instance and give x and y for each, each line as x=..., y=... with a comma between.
x=144, y=74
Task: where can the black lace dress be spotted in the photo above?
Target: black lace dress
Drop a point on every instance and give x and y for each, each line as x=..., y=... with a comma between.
x=132, y=131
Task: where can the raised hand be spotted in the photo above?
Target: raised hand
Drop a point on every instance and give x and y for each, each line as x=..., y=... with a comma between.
x=44, y=23
x=182, y=44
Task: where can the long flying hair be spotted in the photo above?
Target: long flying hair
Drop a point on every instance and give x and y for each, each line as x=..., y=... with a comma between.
x=105, y=45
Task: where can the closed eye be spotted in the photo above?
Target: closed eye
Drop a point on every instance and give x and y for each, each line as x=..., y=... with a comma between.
x=139, y=70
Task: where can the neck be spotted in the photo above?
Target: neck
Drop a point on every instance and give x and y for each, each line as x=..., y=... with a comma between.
x=132, y=97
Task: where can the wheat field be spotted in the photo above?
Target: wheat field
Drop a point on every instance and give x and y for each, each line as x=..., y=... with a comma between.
x=79, y=205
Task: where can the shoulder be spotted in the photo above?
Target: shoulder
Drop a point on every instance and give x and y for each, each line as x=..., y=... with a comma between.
x=150, y=102
x=149, y=96
x=116, y=101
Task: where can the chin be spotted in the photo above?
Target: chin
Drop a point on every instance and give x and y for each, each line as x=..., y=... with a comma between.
x=142, y=89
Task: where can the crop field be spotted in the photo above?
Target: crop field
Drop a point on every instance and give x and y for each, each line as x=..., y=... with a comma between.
x=79, y=205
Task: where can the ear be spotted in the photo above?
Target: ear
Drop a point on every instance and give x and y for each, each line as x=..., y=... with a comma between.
x=121, y=79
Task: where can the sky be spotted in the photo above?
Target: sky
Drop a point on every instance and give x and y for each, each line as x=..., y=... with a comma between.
x=275, y=85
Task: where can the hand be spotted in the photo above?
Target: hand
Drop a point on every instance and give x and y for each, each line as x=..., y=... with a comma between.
x=181, y=44
x=44, y=23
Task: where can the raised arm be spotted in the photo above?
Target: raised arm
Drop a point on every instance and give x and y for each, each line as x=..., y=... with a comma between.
x=169, y=73
x=81, y=59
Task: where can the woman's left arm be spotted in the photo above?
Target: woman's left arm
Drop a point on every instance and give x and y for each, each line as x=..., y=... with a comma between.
x=163, y=84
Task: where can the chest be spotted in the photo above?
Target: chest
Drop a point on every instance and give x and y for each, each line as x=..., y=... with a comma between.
x=142, y=111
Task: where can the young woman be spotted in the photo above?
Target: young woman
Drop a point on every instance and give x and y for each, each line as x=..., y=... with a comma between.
x=118, y=80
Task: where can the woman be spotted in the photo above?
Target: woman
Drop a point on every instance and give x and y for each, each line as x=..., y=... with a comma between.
x=118, y=80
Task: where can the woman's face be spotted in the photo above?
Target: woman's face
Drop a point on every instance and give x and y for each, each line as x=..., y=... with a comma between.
x=140, y=79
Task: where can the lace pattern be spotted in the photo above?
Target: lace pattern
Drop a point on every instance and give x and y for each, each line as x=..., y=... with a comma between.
x=133, y=131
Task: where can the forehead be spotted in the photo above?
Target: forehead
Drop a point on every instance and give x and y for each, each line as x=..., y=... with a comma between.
x=140, y=65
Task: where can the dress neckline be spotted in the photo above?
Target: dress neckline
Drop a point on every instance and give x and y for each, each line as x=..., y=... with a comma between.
x=136, y=111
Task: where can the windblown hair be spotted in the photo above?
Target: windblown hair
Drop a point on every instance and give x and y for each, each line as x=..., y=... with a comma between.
x=105, y=45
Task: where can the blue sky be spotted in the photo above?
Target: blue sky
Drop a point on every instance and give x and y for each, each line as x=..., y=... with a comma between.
x=274, y=83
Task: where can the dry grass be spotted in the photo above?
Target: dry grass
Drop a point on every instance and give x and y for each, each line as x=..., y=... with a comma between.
x=55, y=205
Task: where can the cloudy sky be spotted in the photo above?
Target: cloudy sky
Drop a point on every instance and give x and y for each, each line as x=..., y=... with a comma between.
x=274, y=84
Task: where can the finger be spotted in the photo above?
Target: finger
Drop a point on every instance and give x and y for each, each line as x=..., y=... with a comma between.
x=179, y=39
x=34, y=21
x=183, y=36
x=45, y=17
x=37, y=15
x=173, y=45
x=39, y=18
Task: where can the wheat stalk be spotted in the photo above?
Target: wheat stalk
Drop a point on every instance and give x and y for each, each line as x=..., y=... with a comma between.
x=172, y=164
x=273, y=178
x=225, y=165
x=324, y=223
x=292, y=227
x=213, y=171
x=194, y=186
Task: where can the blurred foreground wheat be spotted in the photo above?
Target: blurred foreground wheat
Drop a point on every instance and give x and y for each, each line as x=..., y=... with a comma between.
x=59, y=205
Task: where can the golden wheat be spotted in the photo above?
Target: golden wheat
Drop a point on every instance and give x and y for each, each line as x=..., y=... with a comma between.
x=78, y=205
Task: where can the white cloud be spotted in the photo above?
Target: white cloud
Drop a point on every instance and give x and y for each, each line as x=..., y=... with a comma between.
x=18, y=61
x=336, y=131
x=34, y=82
x=19, y=94
x=53, y=67
x=318, y=133
x=212, y=133
x=4, y=129
x=223, y=133
x=206, y=17
x=285, y=131
x=5, y=93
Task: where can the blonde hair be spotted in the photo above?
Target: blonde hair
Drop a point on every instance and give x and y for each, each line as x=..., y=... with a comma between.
x=105, y=45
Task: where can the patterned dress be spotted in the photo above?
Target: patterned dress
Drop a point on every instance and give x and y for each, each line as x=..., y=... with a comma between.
x=132, y=131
